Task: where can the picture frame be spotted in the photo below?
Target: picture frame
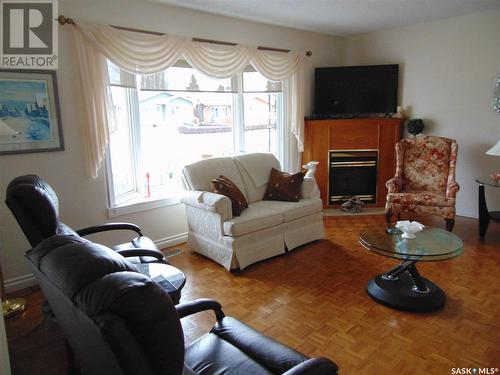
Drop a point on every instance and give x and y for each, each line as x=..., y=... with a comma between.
x=30, y=118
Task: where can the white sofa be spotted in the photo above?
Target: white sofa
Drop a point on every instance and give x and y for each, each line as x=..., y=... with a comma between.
x=265, y=229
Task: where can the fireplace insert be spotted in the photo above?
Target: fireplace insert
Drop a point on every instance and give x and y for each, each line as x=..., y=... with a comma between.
x=352, y=173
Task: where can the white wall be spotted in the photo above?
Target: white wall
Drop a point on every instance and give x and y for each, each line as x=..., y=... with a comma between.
x=83, y=200
x=447, y=70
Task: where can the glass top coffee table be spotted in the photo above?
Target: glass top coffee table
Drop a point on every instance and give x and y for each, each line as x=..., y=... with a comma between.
x=402, y=287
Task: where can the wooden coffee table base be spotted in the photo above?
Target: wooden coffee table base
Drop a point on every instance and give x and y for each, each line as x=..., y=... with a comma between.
x=402, y=288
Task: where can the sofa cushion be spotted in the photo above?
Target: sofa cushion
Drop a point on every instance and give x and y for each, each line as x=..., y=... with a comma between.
x=199, y=175
x=223, y=185
x=283, y=186
x=255, y=169
x=293, y=210
x=254, y=218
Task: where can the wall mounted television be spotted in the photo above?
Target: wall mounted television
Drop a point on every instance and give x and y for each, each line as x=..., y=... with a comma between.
x=351, y=91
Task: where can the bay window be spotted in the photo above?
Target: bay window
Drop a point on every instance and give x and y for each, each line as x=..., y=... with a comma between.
x=169, y=119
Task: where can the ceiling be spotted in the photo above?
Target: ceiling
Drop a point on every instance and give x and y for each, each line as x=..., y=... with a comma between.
x=338, y=17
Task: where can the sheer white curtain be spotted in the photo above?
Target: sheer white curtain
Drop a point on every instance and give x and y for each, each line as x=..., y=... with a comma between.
x=141, y=53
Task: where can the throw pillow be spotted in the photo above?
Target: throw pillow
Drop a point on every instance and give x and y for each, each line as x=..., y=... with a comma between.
x=223, y=185
x=283, y=186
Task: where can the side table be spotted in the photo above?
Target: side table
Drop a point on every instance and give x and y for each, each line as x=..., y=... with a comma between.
x=170, y=278
x=484, y=215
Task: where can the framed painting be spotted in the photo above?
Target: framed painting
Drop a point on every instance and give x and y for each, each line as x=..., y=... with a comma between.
x=30, y=120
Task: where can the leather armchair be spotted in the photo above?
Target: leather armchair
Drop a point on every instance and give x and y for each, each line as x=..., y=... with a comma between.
x=118, y=321
x=424, y=182
x=35, y=206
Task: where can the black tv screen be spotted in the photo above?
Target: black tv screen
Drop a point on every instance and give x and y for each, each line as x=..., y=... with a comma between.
x=354, y=90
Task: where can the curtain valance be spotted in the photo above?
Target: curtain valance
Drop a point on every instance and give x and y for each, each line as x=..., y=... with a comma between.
x=143, y=54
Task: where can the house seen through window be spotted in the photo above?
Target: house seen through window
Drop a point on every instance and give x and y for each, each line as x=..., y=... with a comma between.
x=169, y=119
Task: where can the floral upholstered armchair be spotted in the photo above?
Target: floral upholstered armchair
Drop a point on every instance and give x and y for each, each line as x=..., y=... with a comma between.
x=424, y=183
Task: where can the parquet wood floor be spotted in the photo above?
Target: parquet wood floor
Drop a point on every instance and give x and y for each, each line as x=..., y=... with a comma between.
x=314, y=300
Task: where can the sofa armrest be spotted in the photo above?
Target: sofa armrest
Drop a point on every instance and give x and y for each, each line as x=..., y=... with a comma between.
x=309, y=188
x=208, y=201
x=314, y=366
x=452, y=188
x=394, y=185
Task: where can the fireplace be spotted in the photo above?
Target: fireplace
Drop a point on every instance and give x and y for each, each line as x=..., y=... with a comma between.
x=352, y=173
x=356, y=134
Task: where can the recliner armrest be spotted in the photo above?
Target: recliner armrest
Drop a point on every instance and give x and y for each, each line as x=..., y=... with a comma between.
x=199, y=305
x=141, y=253
x=314, y=366
x=109, y=226
x=208, y=201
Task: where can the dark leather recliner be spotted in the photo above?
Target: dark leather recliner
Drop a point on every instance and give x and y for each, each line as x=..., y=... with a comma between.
x=35, y=206
x=118, y=321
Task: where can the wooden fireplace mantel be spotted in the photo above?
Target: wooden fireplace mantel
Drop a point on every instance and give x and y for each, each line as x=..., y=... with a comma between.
x=382, y=134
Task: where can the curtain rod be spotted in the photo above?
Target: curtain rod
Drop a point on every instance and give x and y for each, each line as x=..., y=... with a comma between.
x=69, y=21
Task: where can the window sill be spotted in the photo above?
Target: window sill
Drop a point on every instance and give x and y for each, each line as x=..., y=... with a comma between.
x=142, y=206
